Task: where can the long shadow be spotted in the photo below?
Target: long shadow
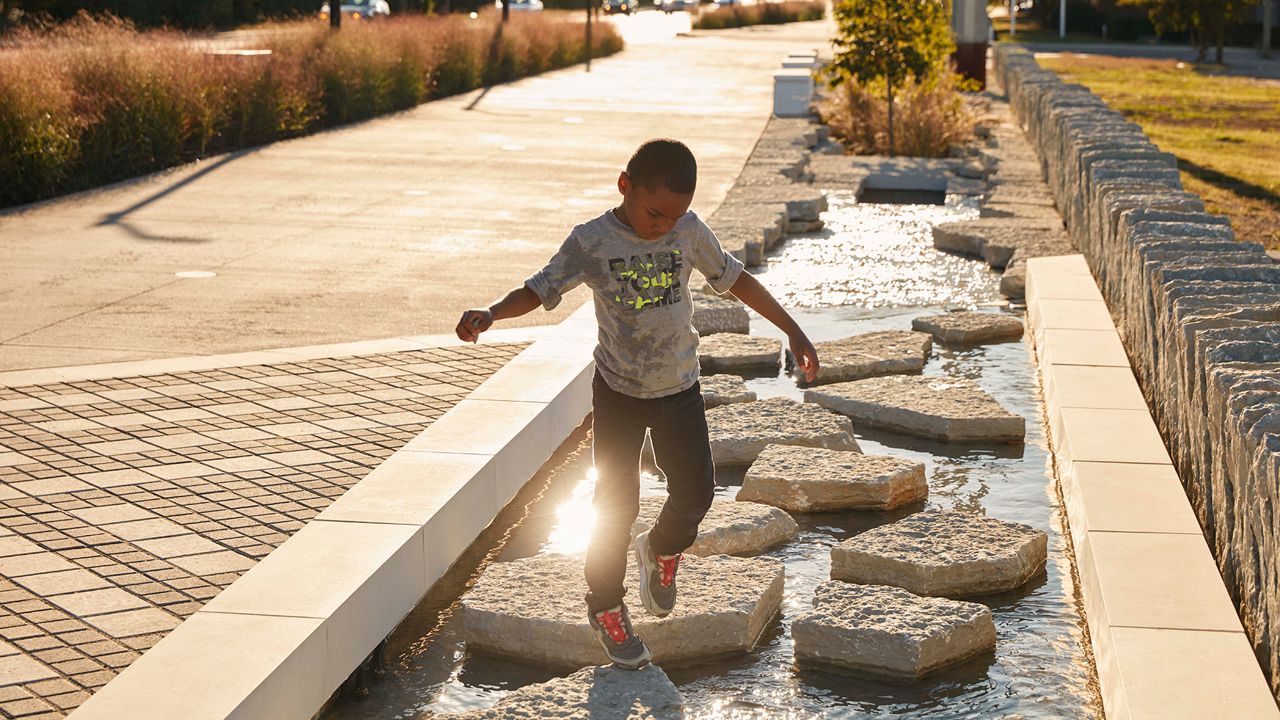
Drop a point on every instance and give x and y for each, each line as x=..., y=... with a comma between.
x=118, y=218
x=1224, y=181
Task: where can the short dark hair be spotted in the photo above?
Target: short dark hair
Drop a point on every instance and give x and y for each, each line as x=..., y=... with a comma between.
x=664, y=163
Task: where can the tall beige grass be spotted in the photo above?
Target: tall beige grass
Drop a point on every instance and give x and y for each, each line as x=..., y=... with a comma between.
x=93, y=100
x=930, y=115
x=761, y=13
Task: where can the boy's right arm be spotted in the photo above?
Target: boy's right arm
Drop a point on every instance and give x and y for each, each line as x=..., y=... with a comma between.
x=516, y=303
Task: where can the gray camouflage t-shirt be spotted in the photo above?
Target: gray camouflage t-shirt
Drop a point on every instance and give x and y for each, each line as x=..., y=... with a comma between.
x=647, y=345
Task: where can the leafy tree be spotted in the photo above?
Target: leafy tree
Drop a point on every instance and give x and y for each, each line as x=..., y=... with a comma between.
x=890, y=41
x=1206, y=20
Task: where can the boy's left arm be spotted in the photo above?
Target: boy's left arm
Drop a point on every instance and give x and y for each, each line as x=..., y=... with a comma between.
x=749, y=290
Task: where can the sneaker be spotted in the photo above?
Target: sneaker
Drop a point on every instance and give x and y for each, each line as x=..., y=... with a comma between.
x=620, y=642
x=657, y=577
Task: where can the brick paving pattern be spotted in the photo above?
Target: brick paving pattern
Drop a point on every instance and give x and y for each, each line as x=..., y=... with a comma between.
x=126, y=504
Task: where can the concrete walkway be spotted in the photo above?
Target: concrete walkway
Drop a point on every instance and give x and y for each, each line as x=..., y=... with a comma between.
x=382, y=229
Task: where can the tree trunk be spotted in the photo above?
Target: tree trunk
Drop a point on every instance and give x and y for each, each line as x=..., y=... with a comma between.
x=889, y=83
x=1218, y=33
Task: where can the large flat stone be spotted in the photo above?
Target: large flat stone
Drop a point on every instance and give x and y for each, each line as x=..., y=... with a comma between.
x=591, y=693
x=729, y=528
x=800, y=479
x=712, y=314
x=534, y=610
x=944, y=553
x=724, y=389
x=733, y=352
x=871, y=354
x=886, y=631
x=740, y=432
x=941, y=408
x=970, y=328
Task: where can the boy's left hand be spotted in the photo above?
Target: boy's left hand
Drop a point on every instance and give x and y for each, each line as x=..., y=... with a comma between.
x=806, y=357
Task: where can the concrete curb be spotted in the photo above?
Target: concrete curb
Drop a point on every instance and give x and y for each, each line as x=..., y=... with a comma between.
x=280, y=640
x=1165, y=635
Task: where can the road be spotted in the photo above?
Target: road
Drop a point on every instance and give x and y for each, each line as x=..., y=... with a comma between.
x=380, y=229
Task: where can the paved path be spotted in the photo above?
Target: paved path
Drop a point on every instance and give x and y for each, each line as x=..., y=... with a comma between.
x=383, y=229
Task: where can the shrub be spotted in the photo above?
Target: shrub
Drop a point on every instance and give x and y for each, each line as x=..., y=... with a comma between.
x=94, y=100
x=930, y=116
x=762, y=13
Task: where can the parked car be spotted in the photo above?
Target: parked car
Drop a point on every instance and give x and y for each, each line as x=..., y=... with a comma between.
x=521, y=5
x=621, y=6
x=360, y=9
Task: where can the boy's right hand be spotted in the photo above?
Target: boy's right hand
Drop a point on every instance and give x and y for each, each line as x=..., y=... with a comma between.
x=474, y=322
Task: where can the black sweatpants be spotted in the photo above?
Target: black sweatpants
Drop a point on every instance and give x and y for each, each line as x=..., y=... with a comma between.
x=678, y=429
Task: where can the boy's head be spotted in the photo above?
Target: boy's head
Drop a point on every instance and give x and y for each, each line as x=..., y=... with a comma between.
x=657, y=186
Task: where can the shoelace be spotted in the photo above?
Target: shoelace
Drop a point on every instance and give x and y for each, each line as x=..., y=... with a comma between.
x=668, y=563
x=612, y=622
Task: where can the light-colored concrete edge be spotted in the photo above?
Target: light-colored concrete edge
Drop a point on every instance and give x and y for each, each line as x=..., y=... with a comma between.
x=1146, y=667
x=197, y=363
x=279, y=641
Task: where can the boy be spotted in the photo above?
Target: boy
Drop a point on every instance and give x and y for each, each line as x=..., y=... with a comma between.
x=637, y=258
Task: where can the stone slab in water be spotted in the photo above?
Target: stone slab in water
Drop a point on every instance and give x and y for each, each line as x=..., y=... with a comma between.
x=970, y=328
x=800, y=479
x=939, y=408
x=734, y=352
x=724, y=389
x=804, y=202
x=730, y=528
x=713, y=314
x=870, y=354
x=534, y=610
x=740, y=432
x=943, y=553
x=888, y=632
x=591, y=693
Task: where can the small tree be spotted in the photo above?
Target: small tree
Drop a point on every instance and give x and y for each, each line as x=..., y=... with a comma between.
x=890, y=40
x=1206, y=20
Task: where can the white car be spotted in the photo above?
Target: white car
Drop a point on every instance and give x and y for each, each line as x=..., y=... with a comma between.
x=521, y=5
x=670, y=6
x=360, y=9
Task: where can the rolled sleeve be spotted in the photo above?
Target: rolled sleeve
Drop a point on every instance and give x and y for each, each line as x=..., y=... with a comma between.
x=721, y=269
x=563, y=273
x=541, y=286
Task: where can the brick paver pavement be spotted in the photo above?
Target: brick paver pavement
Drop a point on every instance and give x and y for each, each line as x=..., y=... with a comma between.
x=126, y=504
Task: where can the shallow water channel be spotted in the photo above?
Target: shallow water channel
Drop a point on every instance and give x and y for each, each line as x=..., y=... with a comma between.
x=872, y=268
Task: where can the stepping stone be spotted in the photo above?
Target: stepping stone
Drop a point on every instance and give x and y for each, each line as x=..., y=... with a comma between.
x=533, y=610
x=732, y=352
x=888, y=632
x=740, y=432
x=815, y=480
x=940, y=408
x=712, y=314
x=591, y=693
x=970, y=328
x=730, y=528
x=867, y=355
x=943, y=553
x=720, y=390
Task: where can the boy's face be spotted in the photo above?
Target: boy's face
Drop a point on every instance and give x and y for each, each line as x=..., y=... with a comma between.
x=651, y=213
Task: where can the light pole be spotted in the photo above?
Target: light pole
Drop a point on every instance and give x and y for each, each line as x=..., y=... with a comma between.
x=1013, y=18
x=589, y=35
x=1062, y=18
x=1268, y=7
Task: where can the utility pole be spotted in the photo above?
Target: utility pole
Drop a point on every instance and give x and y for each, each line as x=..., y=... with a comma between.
x=1062, y=18
x=1013, y=17
x=589, y=35
x=1268, y=7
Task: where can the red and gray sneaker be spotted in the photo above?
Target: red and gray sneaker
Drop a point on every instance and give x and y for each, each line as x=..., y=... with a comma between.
x=620, y=642
x=657, y=577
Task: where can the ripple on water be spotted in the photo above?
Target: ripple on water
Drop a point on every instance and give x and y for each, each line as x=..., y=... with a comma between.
x=873, y=268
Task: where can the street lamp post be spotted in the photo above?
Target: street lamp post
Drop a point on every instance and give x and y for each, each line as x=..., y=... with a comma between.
x=1013, y=18
x=1062, y=18
x=589, y=35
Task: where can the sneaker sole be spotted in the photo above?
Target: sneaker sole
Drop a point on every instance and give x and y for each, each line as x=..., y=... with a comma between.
x=646, y=599
x=636, y=664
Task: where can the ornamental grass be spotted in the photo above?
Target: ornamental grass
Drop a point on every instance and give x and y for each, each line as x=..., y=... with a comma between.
x=94, y=100
x=761, y=13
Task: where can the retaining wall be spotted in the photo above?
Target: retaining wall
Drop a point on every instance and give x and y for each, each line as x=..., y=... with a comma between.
x=1199, y=316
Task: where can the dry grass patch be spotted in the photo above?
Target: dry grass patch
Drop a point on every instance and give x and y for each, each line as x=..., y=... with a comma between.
x=1224, y=130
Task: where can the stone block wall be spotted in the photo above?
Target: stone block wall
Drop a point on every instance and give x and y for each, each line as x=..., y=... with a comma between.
x=1199, y=314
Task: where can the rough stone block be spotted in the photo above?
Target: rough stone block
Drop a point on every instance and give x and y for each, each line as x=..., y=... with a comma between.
x=712, y=315
x=740, y=432
x=888, y=632
x=942, y=408
x=871, y=354
x=534, y=610
x=720, y=390
x=970, y=328
x=591, y=693
x=943, y=553
x=729, y=528
x=803, y=202
x=733, y=352
x=800, y=479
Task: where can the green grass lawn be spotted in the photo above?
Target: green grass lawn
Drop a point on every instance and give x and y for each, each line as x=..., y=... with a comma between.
x=1225, y=131
x=1030, y=30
